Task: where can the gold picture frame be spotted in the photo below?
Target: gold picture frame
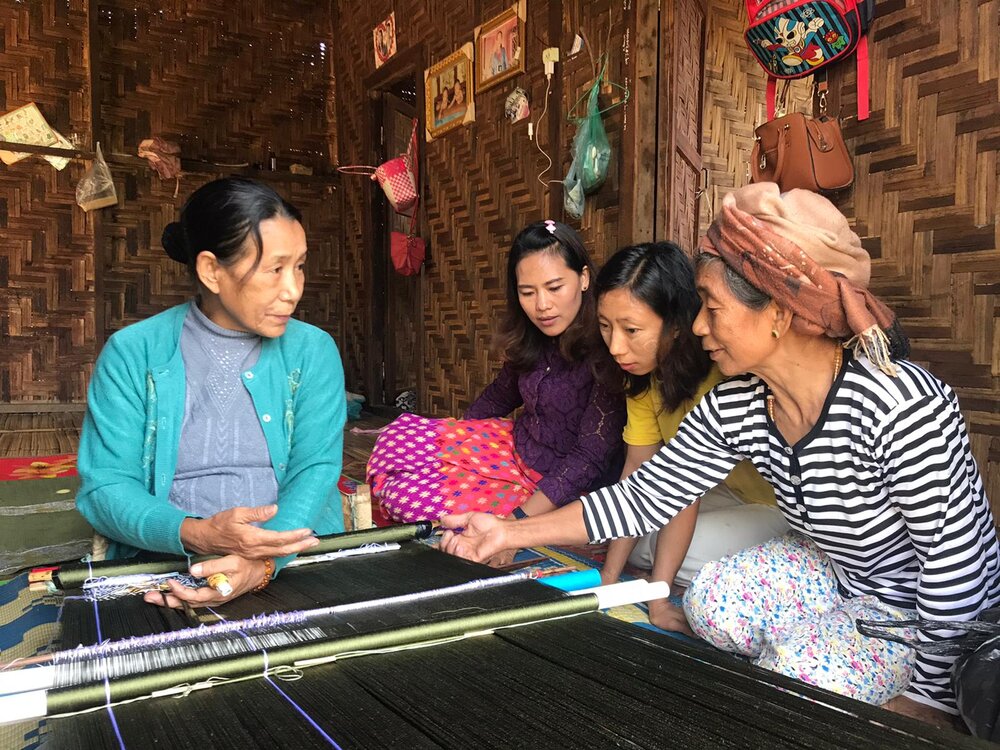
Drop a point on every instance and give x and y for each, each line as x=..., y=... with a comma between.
x=500, y=47
x=448, y=93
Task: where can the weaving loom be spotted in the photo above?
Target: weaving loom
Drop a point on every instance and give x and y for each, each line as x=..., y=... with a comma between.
x=479, y=659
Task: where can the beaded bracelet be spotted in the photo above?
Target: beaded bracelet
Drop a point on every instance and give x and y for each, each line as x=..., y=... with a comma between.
x=268, y=575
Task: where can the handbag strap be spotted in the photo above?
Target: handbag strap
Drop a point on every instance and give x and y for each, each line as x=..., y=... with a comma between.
x=779, y=162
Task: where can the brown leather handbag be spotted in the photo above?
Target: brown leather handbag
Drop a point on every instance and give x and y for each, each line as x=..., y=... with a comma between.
x=796, y=151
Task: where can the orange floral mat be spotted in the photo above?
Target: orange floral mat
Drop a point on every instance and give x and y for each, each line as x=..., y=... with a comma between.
x=38, y=467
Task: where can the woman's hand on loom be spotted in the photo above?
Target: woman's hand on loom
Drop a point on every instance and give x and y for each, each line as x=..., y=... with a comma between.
x=232, y=532
x=474, y=536
x=243, y=575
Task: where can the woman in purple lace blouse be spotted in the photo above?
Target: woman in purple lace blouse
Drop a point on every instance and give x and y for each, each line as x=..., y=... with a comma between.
x=570, y=428
x=567, y=437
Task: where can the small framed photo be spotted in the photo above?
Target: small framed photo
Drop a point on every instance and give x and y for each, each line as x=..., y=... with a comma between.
x=448, y=92
x=500, y=47
x=384, y=39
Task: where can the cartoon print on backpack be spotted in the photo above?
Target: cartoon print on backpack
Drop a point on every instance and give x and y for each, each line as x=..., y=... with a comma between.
x=798, y=38
x=796, y=43
x=835, y=40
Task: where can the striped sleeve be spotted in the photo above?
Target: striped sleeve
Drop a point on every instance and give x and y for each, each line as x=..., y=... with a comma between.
x=932, y=479
x=694, y=461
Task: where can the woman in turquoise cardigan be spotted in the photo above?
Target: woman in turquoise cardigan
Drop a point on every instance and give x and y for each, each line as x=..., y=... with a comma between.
x=216, y=427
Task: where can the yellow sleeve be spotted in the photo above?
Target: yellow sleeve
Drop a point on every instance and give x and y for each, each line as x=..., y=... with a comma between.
x=648, y=425
x=749, y=485
x=642, y=427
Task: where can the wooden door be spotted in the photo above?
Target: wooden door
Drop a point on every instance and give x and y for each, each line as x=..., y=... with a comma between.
x=397, y=323
x=679, y=162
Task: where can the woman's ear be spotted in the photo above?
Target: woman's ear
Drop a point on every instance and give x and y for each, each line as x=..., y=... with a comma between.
x=208, y=269
x=585, y=278
x=782, y=319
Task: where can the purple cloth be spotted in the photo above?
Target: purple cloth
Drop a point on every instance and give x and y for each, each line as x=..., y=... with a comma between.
x=570, y=431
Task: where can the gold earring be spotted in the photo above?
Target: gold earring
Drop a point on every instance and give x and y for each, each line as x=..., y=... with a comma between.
x=774, y=332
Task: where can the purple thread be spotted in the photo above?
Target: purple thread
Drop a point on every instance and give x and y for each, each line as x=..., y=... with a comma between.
x=297, y=707
x=107, y=685
x=286, y=696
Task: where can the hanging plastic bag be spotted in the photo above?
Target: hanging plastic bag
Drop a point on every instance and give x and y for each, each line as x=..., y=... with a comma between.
x=573, y=192
x=591, y=149
x=96, y=188
x=591, y=145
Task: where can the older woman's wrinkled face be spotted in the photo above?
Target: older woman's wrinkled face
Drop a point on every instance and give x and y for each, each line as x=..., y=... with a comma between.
x=261, y=300
x=736, y=337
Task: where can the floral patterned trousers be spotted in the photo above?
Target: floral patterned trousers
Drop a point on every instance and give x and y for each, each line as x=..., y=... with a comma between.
x=778, y=603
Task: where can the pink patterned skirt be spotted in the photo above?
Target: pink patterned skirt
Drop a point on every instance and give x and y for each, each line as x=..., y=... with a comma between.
x=423, y=468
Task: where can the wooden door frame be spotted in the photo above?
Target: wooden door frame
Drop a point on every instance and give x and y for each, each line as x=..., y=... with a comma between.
x=652, y=137
x=409, y=62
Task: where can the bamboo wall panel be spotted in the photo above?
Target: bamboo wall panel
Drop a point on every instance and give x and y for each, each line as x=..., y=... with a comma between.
x=926, y=199
x=481, y=180
x=231, y=83
x=482, y=189
x=47, y=323
x=733, y=104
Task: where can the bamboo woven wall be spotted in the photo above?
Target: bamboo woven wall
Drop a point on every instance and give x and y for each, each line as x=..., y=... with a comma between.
x=47, y=323
x=926, y=199
x=230, y=83
x=481, y=180
x=733, y=103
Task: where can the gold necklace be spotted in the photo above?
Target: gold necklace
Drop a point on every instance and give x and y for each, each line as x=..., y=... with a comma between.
x=838, y=360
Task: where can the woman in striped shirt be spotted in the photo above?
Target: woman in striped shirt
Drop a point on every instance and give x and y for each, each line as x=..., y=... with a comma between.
x=868, y=455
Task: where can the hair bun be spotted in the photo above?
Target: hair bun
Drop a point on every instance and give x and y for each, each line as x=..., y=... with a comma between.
x=174, y=243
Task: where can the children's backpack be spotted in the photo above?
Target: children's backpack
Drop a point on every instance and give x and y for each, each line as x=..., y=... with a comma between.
x=797, y=38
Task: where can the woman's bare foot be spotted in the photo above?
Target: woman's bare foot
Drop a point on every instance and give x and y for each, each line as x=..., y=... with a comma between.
x=669, y=616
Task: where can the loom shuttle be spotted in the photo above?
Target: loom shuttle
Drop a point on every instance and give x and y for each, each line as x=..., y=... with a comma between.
x=579, y=579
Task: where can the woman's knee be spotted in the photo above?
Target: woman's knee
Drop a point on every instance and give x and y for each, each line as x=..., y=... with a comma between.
x=828, y=652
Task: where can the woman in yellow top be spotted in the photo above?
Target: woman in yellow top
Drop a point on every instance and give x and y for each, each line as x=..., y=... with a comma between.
x=646, y=305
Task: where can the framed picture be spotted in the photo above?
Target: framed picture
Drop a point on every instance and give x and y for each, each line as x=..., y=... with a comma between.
x=500, y=47
x=448, y=92
x=384, y=39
